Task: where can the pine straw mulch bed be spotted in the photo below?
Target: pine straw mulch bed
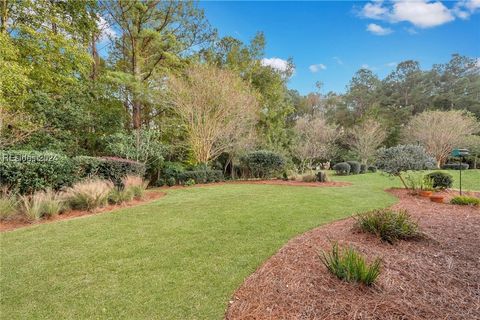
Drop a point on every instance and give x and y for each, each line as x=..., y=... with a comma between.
x=19, y=222
x=434, y=278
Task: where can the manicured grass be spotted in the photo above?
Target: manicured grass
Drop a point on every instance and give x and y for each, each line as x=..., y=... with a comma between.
x=180, y=257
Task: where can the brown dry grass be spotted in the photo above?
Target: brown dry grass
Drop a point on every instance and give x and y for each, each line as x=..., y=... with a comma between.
x=434, y=278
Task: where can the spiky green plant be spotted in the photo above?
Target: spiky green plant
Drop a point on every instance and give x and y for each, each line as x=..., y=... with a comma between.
x=349, y=265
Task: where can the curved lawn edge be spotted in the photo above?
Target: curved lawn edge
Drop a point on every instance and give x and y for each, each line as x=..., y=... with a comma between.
x=293, y=283
x=12, y=225
x=203, y=241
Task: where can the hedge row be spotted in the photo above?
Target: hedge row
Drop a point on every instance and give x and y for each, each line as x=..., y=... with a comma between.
x=29, y=171
x=352, y=167
x=201, y=176
x=262, y=164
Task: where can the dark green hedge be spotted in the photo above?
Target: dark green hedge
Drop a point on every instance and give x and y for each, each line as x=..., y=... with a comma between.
x=263, y=164
x=29, y=171
x=355, y=167
x=455, y=166
x=201, y=176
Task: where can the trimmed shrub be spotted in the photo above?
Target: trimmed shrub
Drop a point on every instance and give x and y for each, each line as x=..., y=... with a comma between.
x=342, y=168
x=172, y=170
x=455, y=166
x=201, y=176
x=115, y=169
x=189, y=182
x=349, y=265
x=89, y=194
x=355, y=167
x=28, y=171
x=403, y=158
x=263, y=163
x=465, y=201
x=322, y=176
x=441, y=180
x=86, y=167
x=372, y=169
x=388, y=225
x=171, y=182
x=363, y=168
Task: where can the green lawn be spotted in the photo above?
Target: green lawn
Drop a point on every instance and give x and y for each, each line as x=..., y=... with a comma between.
x=180, y=257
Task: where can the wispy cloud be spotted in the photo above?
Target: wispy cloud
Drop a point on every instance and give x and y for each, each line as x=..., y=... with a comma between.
x=317, y=67
x=338, y=60
x=378, y=30
x=392, y=64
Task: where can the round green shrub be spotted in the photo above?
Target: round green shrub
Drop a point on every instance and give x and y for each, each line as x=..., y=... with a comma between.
x=441, y=180
x=171, y=182
x=263, y=164
x=372, y=169
x=354, y=167
x=363, y=168
x=342, y=168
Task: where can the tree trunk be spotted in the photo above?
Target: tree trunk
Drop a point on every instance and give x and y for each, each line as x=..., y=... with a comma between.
x=4, y=17
x=403, y=181
x=95, y=56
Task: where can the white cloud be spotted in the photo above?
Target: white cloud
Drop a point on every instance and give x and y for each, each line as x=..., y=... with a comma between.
x=465, y=8
x=392, y=64
x=275, y=63
x=378, y=30
x=317, y=67
x=338, y=60
x=366, y=66
x=420, y=13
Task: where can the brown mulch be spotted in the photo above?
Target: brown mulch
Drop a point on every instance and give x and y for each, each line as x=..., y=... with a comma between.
x=433, y=278
x=19, y=223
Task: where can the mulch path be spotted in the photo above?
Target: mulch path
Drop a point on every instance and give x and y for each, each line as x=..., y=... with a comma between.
x=433, y=278
x=19, y=223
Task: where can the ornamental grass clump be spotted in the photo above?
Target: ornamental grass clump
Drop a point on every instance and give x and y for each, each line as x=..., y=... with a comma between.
x=465, y=201
x=8, y=206
x=89, y=194
x=349, y=265
x=41, y=204
x=389, y=225
x=135, y=185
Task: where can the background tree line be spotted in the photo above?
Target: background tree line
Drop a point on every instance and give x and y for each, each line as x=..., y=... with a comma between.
x=152, y=81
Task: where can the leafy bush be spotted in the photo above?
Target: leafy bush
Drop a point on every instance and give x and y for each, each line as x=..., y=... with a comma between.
x=363, y=168
x=413, y=180
x=189, y=182
x=388, y=225
x=172, y=170
x=263, y=164
x=342, y=168
x=401, y=158
x=201, y=176
x=8, y=205
x=455, y=166
x=171, y=182
x=115, y=169
x=322, y=176
x=350, y=265
x=354, y=167
x=86, y=167
x=372, y=169
x=30, y=171
x=441, y=180
x=89, y=194
x=465, y=201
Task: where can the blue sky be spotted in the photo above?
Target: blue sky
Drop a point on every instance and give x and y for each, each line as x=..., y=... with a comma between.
x=329, y=40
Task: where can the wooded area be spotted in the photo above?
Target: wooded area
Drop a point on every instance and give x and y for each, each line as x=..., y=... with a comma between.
x=152, y=81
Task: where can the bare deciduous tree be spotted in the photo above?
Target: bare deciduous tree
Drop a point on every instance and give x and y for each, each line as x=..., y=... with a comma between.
x=314, y=140
x=440, y=131
x=366, y=138
x=217, y=108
